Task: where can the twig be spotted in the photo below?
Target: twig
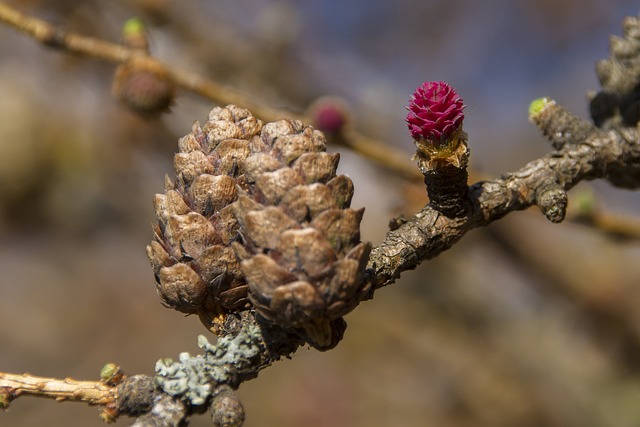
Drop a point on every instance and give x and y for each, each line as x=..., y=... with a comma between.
x=615, y=225
x=49, y=35
x=91, y=392
x=429, y=233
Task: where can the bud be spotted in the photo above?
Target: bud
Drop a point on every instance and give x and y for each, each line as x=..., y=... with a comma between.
x=329, y=114
x=435, y=123
x=435, y=113
x=134, y=35
x=111, y=374
x=226, y=408
x=559, y=125
x=144, y=87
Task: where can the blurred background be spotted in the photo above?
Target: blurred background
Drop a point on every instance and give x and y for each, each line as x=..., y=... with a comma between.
x=523, y=323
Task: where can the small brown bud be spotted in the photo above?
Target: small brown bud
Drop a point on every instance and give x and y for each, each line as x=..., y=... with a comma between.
x=111, y=374
x=226, y=408
x=134, y=35
x=144, y=87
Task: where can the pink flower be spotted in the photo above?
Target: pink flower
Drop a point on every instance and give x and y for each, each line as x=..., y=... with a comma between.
x=435, y=112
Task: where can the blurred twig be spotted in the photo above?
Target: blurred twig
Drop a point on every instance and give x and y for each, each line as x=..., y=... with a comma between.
x=49, y=35
x=615, y=225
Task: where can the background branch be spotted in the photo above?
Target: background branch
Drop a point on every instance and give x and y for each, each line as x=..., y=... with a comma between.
x=52, y=36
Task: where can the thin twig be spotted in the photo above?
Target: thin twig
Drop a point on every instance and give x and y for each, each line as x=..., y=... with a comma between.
x=13, y=386
x=49, y=35
x=609, y=223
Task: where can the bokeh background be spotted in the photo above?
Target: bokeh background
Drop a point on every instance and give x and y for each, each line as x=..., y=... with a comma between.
x=523, y=323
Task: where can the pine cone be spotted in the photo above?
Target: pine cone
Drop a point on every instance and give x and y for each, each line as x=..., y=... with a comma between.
x=617, y=104
x=268, y=196
x=301, y=250
x=195, y=268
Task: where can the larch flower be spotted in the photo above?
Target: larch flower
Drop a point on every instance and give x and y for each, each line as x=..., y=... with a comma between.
x=435, y=113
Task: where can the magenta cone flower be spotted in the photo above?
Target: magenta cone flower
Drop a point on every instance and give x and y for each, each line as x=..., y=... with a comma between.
x=435, y=112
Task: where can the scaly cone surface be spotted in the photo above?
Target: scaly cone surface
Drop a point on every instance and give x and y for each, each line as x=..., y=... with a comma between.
x=257, y=214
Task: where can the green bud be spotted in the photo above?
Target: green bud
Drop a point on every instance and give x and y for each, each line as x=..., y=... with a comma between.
x=134, y=27
x=110, y=373
x=538, y=105
x=585, y=203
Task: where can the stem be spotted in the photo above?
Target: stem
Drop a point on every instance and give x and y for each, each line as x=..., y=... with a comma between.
x=13, y=386
x=382, y=154
x=91, y=392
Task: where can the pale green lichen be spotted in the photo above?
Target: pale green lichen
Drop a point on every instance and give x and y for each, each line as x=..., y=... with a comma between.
x=193, y=378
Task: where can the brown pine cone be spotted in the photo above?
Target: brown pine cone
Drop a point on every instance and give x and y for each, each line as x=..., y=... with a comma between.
x=617, y=104
x=301, y=250
x=195, y=268
x=267, y=195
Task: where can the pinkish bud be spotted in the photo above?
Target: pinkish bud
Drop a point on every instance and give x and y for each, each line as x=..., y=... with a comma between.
x=329, y=114
x=435, y=112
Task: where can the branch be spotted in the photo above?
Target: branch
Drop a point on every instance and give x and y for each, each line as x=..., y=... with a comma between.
x=51, y=36
x=614, y=155
x=91, y=392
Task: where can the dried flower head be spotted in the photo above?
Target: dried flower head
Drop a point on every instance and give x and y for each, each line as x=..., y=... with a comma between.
x=435, y=113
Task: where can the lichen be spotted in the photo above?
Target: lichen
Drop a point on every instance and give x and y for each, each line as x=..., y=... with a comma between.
x=193, y=378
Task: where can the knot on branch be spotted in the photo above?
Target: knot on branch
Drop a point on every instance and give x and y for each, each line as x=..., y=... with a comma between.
x=552, y=201
x=136, y=395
